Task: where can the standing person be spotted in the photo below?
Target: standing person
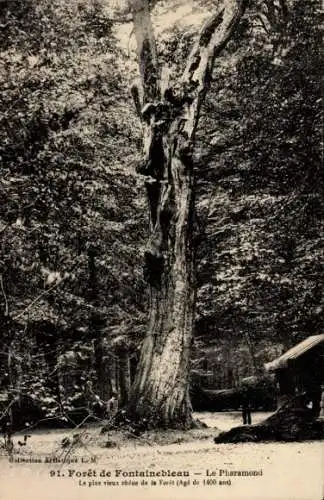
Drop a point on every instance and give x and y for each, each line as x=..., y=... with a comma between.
x=321, y=415
x=112, y=405
x=246, y=410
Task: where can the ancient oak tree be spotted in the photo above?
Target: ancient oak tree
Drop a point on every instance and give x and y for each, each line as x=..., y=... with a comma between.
x=169, y=116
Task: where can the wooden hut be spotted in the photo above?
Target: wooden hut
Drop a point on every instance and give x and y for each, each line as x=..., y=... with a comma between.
x=300, y=374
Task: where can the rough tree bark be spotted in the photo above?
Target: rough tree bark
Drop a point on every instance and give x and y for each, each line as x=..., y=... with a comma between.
x=169, y=117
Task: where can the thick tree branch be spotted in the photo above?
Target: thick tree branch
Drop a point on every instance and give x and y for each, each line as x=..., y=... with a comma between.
x=213, y=37
x=146, y=50
x=146, y=96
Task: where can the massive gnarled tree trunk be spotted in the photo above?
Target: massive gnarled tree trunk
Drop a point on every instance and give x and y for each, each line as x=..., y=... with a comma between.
x=169, y=118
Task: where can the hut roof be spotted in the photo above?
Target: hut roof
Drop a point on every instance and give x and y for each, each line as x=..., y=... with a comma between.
x=294, y=353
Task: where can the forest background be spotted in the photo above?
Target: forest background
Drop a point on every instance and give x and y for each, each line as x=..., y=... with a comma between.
x=73, y=216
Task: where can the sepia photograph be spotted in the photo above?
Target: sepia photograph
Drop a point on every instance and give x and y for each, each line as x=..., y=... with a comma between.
x=161, y=250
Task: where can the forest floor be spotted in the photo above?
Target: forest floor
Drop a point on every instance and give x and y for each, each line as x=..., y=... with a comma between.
x=84, y=464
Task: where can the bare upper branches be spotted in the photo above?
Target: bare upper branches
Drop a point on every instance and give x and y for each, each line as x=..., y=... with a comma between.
x=146, y=50
x=213, y=37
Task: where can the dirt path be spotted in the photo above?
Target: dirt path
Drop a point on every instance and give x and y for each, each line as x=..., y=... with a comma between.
x=282, y=471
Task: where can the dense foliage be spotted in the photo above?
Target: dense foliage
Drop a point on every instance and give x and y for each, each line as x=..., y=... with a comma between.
x=261, y=188
x=72, y=208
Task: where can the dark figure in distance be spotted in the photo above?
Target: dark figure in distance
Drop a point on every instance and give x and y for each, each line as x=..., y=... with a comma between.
x=246, y=411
